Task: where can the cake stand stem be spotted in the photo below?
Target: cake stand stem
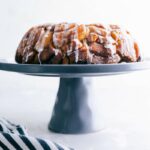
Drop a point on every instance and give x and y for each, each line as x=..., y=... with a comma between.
x=72, y=112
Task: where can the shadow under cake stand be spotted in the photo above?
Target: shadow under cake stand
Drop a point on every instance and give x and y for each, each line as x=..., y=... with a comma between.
x=73, y=112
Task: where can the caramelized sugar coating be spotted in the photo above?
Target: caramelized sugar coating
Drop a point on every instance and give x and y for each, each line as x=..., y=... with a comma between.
x=73, y=43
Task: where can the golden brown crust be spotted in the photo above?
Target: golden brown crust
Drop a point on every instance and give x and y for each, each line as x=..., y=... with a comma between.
x=72, y=43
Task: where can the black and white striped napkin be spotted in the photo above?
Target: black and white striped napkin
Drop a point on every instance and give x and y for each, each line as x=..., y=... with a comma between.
x=15, y=137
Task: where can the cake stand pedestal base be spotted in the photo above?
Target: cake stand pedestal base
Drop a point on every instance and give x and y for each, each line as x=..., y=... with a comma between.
x=73, y=112
x=78, y=107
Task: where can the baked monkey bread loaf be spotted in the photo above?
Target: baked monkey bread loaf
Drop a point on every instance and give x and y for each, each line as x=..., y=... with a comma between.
x=71, y=43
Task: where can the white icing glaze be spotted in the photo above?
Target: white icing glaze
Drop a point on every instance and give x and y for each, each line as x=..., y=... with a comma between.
x=98, y=31
x=110, y=44
x=69, y=52
x=57, y=39
x=101, y=39
x=75, y=35
x=50, y=27
x=56, y=51
x=60, y=38
x=39, y=57
x=29, y=41
x=62, y=27
x=110, y=39
x=28, y=55
x=128, y=43
x=39, y=45
x=66, y=26
x=77, y=45
x=111, y=47
x=26, y=49
x=66, y=34
x=76, y=55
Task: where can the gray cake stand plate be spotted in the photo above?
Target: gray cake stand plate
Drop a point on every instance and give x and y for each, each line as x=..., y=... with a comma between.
x=73, y=112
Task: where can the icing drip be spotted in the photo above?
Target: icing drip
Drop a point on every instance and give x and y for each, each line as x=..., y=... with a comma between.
x=66, y=26
x=98, y=31
x=69, y=52
x=39, y=45
x=28, y=55
x=56, y=51
x=128, y=44
x=43, y=42
x=75, y=33
x=101, y=39
x=77, y=46
x=29, y=41
x=39, y=57
x=129, y=41
x=63, y=32
x=110, y=44
x=76, y=55
x=58, y=39
x=83, y=41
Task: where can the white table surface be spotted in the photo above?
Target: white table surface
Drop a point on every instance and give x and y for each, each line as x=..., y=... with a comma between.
x=124, y=104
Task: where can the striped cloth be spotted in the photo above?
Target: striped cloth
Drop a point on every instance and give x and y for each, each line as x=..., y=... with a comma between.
x=15, y=137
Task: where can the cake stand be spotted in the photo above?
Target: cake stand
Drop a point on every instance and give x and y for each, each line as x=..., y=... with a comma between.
x=73, y=111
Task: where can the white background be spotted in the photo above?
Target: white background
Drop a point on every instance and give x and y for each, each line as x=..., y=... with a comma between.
x=124, y=100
